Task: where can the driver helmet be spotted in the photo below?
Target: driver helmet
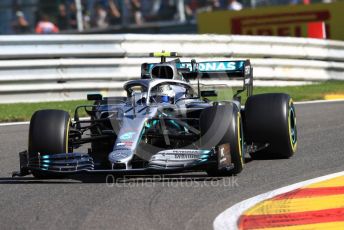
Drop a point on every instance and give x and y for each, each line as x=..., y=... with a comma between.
x=165, y=94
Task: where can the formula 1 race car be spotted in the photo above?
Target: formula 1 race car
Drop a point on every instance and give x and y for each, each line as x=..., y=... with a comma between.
x=164, y=125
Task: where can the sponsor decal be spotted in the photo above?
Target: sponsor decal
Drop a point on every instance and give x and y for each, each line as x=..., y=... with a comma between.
x=120, y=154
x=179, y=151
x=186, y=156
x=276, y=21
x=212, y=66
x=286, y=24
x=247, y=70
x=247, y=80
x=127, y=136
x=125, y=143
x=179, y=154
x=224, y=156
x=216, y=66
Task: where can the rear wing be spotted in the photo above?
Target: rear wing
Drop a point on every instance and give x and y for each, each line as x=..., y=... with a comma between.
x=222, y=70
x=217, y=70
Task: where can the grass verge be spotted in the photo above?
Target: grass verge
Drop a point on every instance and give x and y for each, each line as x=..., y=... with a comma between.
x=23, y=111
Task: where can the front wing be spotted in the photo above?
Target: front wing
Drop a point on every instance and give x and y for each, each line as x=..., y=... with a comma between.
x=168, y=161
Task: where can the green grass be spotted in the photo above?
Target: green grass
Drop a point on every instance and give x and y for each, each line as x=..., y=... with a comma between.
x=306, y=93
x=298, y=93
x=23, y=111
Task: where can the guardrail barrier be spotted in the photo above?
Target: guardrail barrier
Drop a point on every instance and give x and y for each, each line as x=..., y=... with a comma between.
x=65, y=67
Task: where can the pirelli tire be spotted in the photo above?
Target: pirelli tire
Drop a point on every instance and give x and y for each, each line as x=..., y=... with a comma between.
x=271, y=119
x=222, y=124
x=48, y=134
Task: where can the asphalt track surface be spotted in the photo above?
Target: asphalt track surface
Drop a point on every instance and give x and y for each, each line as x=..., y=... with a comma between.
x=190, y=202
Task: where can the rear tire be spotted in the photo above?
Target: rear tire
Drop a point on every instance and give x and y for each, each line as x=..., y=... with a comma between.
x=271, y=118
x=48, y=134
x=222, y=124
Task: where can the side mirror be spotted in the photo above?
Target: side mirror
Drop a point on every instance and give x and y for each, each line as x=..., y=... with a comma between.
x=94, y=97
x=209, y=93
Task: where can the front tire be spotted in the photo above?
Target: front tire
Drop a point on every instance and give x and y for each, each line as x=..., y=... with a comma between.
x=48, y=134
x=224, y=123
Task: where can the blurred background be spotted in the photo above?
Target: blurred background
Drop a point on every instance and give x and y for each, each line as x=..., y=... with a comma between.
x=127, y=16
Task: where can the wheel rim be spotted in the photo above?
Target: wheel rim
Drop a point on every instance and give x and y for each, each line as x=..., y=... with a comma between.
x=292, y=126
x=240, y=138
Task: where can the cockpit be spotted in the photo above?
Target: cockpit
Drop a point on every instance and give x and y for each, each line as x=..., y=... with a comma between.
x=158, y=91
x=170, y=92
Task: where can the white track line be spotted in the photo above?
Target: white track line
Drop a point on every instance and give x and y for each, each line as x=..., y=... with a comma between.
x=229, y=218
x=15, y=123
x=297, y=103
x=27, y=122
x=318, y=101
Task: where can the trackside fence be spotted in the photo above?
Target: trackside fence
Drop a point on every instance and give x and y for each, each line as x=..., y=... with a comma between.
x=66, y=67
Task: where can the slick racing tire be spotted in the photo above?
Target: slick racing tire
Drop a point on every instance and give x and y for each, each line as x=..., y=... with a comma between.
x=221, y=125
x=48, y=134
x=271, y=119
